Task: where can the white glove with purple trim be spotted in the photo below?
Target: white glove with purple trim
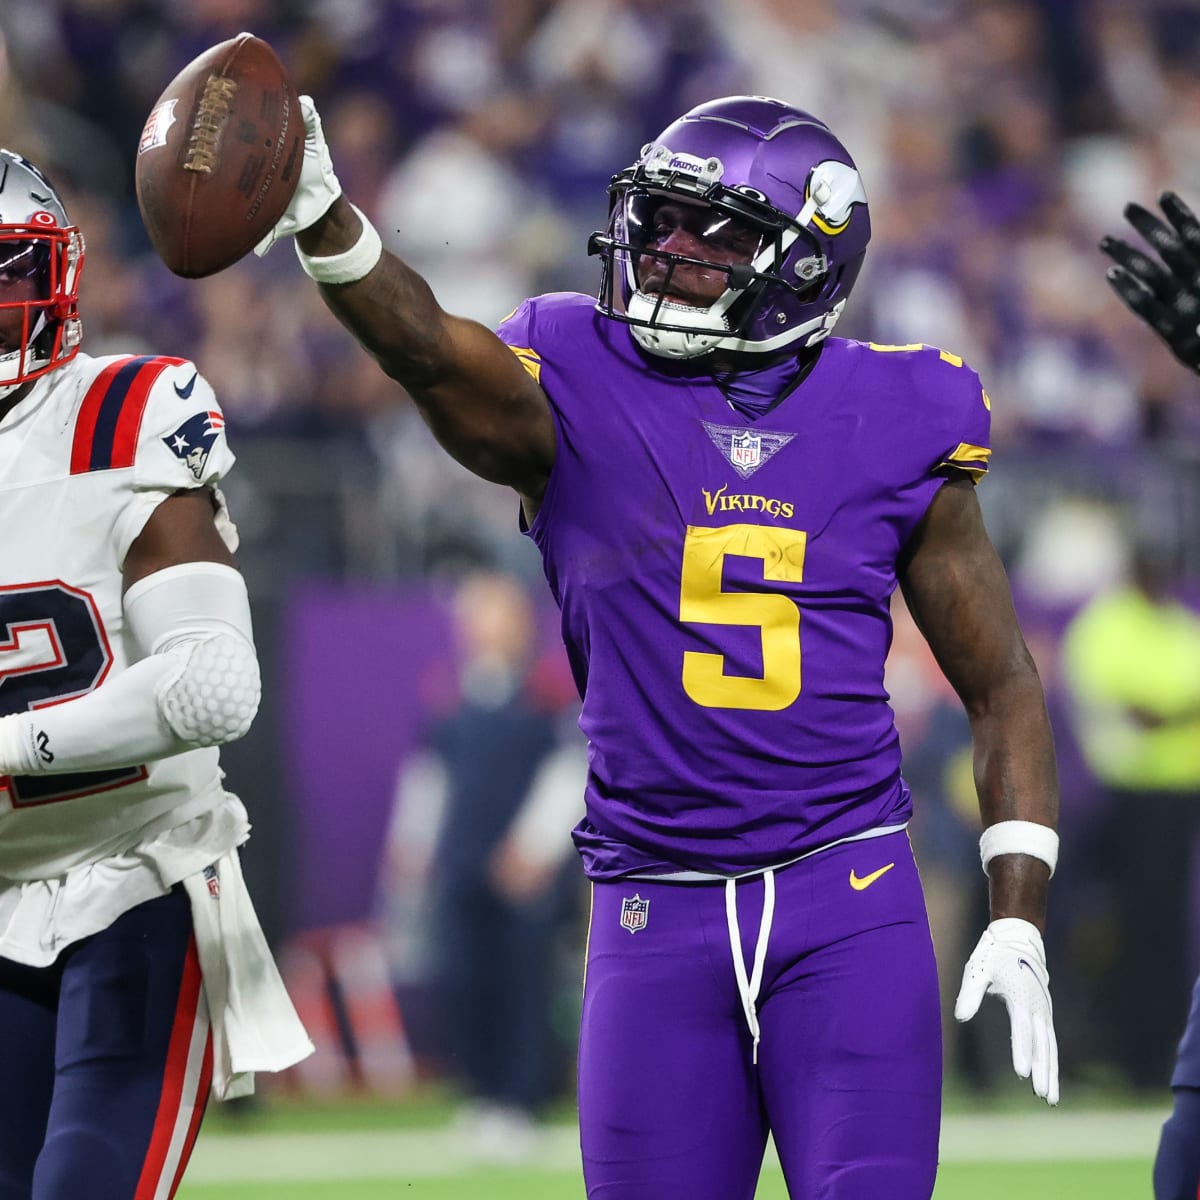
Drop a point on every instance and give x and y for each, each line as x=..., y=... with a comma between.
x=318, y=187
x=1010, y=962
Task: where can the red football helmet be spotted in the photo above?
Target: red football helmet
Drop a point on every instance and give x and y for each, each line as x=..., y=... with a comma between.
x=41, y=257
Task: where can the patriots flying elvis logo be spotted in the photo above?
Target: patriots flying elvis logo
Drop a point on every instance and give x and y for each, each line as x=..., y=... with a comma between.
x=193, y=440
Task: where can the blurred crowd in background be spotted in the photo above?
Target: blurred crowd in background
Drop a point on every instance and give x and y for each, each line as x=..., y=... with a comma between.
x=998, y=140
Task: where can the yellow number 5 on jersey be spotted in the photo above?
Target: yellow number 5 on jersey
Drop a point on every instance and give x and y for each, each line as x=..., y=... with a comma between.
x=701, y=601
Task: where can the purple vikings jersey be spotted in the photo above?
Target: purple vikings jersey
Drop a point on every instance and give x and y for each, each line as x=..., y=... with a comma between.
x=725, y=583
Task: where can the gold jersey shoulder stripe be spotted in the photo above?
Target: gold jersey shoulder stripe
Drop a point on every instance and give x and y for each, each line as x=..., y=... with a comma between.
x=954, y=360
x=968, y=453
x=530, y=359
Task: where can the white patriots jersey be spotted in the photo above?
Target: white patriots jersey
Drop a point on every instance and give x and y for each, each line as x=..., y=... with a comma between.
x=85, y=459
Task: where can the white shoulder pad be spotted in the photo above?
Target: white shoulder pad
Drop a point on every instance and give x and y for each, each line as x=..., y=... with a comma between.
x=181, y=442
x=169, y=429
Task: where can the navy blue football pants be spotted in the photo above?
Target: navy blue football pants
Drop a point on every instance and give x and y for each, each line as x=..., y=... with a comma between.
x=1177, y=1164
x=107, y=1059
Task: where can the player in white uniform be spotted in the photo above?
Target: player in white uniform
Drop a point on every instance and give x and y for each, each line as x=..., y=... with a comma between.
x=134, y=978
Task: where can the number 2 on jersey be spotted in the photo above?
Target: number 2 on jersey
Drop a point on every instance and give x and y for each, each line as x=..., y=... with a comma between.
x=702, y=601
x=52, y=648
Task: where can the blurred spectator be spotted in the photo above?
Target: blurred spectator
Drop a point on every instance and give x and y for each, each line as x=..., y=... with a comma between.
x=460, y=212
x=988, y=131
x=506, y=783
x=1131, y=659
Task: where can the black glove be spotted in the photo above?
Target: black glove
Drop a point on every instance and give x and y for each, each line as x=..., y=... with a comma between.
x=1166, y=297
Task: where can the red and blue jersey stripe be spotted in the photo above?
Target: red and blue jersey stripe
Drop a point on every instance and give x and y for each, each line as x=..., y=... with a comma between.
x=106, y=430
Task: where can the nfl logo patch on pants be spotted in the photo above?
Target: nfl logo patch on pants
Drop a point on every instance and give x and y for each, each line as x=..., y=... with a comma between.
x=634, y=913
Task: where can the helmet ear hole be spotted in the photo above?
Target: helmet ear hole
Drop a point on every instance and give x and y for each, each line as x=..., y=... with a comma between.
x=807, y=292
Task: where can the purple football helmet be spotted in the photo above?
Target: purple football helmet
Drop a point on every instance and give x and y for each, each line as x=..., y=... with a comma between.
x=775, y=203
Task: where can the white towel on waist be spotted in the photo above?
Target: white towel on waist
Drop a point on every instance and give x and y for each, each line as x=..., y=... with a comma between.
x=254, y=1025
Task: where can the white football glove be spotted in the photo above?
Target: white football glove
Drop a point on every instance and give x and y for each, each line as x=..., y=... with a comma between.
x=1010, y=962
x=318, y=187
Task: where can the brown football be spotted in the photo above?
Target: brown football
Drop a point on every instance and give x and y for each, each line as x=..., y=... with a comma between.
x=219, y=157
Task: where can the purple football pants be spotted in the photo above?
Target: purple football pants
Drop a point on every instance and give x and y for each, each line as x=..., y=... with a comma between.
x=106, y=1059
x=848, y=1078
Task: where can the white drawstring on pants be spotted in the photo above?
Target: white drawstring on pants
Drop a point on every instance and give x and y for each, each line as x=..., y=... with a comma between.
x=748, y=987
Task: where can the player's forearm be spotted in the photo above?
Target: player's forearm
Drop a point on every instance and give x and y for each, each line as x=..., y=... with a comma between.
x=474, y=394
x=334, y=233
x=82, y=734
x=1016, y=778
x=391, y=311
x=198, y=685
x=1017, y=887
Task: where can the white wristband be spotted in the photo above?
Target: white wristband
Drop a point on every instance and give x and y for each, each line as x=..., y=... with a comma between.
x=349, y=266
x=1019, y=837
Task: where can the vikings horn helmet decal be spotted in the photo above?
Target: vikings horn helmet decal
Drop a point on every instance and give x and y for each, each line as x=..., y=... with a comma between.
x=41, y=256
x=776, y=179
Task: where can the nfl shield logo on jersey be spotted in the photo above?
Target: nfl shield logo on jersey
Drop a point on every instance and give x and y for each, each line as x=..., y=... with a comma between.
x=634, y=913
x=745, y=450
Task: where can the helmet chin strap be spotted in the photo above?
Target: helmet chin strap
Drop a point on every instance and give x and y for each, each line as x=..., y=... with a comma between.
x=7, y=389
x=18, y=365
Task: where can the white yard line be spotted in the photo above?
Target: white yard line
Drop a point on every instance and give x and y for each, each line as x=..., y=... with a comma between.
x=377, y=1154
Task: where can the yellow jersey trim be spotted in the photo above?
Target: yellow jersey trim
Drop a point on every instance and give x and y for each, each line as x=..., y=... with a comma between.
x=970, y=459
x=531, y=360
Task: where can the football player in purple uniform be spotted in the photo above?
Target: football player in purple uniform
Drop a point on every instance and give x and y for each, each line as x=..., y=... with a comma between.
x=1165, y=292
x=134, y=977
x=725, y=499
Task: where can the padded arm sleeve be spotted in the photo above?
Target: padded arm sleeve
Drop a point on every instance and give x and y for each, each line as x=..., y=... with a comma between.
x=197, y=685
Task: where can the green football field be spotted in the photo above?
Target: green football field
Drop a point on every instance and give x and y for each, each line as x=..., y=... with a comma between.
x=381, y=1154
x=983, y=1181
